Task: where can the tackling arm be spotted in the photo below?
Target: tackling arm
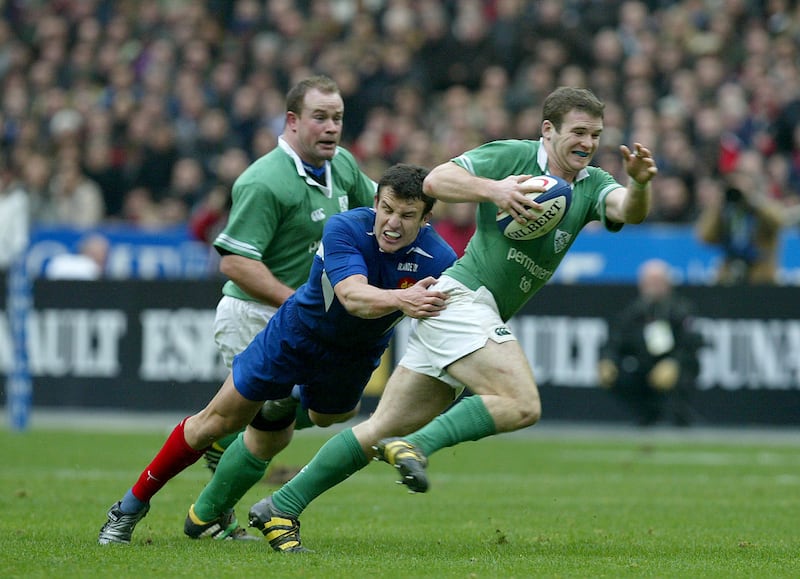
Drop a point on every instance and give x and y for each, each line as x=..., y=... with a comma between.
x=363, y=300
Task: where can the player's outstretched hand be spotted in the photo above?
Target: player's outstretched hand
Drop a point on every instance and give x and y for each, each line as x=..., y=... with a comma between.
x=418, y=301
x=639, y=163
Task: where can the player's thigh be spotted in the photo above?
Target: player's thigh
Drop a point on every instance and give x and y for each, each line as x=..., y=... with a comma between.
x=496, y=369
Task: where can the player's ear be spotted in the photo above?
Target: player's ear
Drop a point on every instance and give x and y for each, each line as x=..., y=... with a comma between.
x=547, y=129
x=291, y=120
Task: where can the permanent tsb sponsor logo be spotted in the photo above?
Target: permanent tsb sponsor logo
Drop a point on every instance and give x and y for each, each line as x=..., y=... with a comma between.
x=529, y=264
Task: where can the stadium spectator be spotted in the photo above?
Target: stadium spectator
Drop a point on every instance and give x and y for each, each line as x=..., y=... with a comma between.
x=494, y=279
x=375, y=280
x=88, y=263
x=140, y=210
x=211, y=213
x=650, y=361
x=98, y=165
x=456, y=224
x=673, y=202
x=745, y=222
x=214, y=138
x=153, y=169
x=188, y=182
x=14, y=220
x=35, y=172
x=76, y=200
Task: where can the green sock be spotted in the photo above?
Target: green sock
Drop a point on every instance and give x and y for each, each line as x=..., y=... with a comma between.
x=226, y=441
x=237, y=472
x=466, y=420
x=338, y=458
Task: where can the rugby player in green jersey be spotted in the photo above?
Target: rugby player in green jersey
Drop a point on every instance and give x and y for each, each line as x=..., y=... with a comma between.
x=281, y=203
x=470, y=345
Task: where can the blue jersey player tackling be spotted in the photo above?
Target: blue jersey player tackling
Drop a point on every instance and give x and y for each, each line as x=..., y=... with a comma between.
x=374, y=267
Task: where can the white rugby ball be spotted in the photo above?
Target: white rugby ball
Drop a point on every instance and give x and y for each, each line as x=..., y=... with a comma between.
x=555, y=200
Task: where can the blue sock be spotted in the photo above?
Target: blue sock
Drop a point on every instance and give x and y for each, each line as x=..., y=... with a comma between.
x=130, y=504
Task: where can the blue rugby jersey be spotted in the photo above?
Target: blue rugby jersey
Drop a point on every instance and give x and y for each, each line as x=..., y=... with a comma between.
x=349, y=248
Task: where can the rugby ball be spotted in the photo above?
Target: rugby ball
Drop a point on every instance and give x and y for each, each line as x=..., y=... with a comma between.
x=555, y=201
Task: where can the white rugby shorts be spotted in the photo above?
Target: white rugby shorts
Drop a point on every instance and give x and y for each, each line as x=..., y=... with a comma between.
x=236, y=323
x=464, y=326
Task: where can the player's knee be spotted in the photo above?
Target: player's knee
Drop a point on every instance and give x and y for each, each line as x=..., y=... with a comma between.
x=214, y=425
x=264, y=444
x=324, y=420
x=530, y=412
x=204, y=428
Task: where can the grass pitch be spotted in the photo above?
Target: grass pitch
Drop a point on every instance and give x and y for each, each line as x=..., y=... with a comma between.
x=543, y=503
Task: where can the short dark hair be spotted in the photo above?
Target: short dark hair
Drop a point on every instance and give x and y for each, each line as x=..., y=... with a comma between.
x=297, y=94
x=406, y=182
x=567, y=98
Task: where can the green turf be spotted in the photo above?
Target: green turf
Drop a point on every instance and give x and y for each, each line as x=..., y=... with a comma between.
x=514, y=506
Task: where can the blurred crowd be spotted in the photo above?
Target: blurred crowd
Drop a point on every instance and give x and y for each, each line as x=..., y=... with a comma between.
x=145, y=111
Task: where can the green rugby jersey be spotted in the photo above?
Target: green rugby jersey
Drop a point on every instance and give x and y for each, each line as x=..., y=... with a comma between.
x=515, y=270
x=278, y=212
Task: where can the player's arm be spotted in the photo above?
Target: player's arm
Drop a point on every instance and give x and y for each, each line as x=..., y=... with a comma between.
x=770, y=211
x=709, y=224
x=363, y=300
x=255, y=279
x=631, y=204
x=452, y=183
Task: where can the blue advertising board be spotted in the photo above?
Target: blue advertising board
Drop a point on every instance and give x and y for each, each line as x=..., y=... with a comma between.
x=598, y=256
x=134, y=253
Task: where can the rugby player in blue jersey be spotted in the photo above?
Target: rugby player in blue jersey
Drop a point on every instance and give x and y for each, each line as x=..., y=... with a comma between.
x=374, y=266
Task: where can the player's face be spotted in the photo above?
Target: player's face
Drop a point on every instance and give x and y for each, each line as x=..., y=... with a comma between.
x=571, y=149
x=397, y=221
x=317, y=130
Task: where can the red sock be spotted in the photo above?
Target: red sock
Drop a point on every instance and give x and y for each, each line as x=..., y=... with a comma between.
x=174, y=457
